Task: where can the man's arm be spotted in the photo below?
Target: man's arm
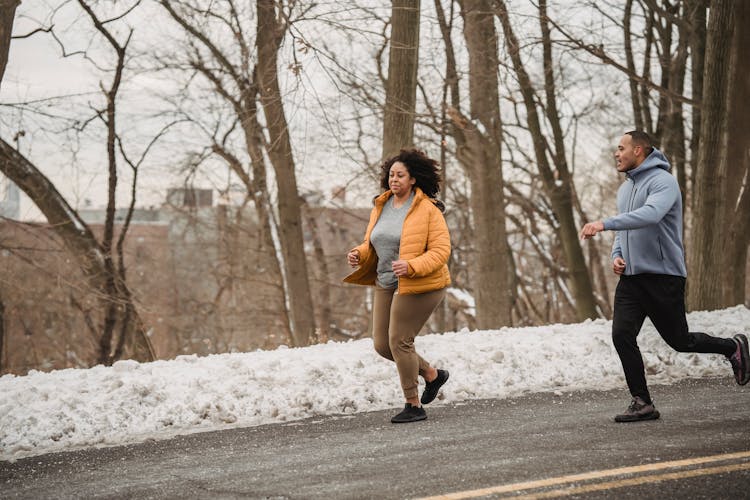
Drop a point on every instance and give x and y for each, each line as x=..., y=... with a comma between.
x=590, y=229
x=663, y=194
x=616, y=248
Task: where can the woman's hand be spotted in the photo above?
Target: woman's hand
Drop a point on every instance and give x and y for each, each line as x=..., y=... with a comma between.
x=353, y=258
x=400, y=267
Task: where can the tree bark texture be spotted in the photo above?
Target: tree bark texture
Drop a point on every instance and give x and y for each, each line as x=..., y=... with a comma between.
x=480, y=154
x=2, y=335
x=7, y=15
x=709, y=232
x=697, y=19
x=669, y=130
x=671, y=113
x=737, y=218
x=270, y=33
x=635, y=96
x=401, y=87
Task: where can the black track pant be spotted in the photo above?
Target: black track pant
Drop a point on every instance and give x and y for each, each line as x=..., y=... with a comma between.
x=661, y=297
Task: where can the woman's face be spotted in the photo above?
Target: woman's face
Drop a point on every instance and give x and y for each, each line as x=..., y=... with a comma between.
x=399, y=179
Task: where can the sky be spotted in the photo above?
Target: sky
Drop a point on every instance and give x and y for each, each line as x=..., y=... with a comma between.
x=75, y=162
x=132, y=402
x=321, y=116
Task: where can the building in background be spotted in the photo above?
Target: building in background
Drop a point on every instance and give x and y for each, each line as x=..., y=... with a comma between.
x=9, y=199
x=199, y=274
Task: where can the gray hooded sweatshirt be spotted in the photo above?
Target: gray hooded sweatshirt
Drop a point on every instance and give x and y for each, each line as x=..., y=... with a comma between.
x=649, y=224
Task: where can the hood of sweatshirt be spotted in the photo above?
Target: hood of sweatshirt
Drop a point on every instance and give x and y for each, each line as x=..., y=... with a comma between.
x=655, y=160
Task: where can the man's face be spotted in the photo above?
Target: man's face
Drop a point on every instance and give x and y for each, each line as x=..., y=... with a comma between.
x=627, y=154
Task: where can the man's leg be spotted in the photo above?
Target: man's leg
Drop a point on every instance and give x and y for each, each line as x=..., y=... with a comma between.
x=628, y=318
x=666, y=308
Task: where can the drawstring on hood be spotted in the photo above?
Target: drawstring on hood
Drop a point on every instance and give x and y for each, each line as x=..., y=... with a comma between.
x=655, y=160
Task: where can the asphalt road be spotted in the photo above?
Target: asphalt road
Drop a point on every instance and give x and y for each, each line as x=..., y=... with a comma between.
x=527, y=447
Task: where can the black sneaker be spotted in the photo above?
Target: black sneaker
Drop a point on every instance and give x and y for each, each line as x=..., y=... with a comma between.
x=637, y=411
x=431, y=388
x=409, y=414
x=740, y=360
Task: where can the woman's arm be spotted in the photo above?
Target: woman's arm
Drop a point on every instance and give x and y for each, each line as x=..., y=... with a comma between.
x=438, y=247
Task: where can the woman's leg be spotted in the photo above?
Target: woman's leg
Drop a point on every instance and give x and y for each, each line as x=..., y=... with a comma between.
x=409, y=313
x=381, y=314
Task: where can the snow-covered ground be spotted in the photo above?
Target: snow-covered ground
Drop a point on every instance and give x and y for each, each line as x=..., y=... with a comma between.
x=131, y=402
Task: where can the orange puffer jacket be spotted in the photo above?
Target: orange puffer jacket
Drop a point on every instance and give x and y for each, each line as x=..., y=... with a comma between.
x=425, y=246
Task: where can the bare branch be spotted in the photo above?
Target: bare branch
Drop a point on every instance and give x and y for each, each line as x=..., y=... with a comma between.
x=598, y=52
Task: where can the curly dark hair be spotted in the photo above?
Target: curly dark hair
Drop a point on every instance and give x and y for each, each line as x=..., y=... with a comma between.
x=420, y=166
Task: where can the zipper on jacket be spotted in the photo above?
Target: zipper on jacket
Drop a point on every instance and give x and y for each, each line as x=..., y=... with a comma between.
x=408, y=213
x=630, y=209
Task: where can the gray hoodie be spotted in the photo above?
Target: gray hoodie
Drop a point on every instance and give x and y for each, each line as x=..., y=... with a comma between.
x=649, y=224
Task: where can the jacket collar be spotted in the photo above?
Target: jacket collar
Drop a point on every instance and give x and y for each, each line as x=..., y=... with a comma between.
x=655, y=160
x=383, y=197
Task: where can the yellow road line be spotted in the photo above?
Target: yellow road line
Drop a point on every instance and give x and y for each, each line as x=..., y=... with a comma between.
x=586, y=476
x=635, y=481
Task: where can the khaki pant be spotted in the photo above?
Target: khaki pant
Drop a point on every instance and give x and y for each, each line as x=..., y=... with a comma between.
x=396, y=320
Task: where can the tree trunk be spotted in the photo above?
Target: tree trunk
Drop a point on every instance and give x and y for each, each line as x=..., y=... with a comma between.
x=709, y=232
x=697, y=18
x=95, y=261
x=322, y=273
x=480, y=155
x=270, y=33
x=122, y=312
x=557, y=185
x=673, y=134
x=7, y=15
x=635, y=96
x=2, y=335
x=401, y=88
x=74, y=232
x=450, y=85
x=669, y=132
x=738, y=164
x=257, y=191
x=245, y=105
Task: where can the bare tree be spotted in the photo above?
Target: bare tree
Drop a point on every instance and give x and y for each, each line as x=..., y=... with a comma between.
x=2, y=334
x=664, y=22
x=738, y=165
x=116, y=314
x=96, y=259
x=697, y=21
x=321, y=274
x=7, y=16
x=245, y=76
x=479, y=150
x=659, y=37
x=82, y=244
x=551, y=158
x=722, y=167
x=272, y=26
x=233, y=81
x=401, y=86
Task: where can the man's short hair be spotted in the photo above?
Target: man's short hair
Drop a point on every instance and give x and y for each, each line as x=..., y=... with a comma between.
x=642, y=139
